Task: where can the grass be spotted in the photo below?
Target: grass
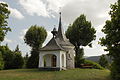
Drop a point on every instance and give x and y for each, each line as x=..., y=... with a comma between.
x=74, y=74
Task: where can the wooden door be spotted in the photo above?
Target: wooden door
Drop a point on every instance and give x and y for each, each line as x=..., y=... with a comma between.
x=53, y=61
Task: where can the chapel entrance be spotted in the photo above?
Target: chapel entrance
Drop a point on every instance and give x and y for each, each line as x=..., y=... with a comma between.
x=50, y=60
x=53, y=60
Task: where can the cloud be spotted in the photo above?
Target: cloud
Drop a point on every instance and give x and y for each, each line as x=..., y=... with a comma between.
x=95, y=10
x=15, y=13
x=49, y=36
x=34, y=7
x=70, y=8
x=100, y=27
x=22, y=33
x=7, y=40
x=55, y=5
x=45, y=8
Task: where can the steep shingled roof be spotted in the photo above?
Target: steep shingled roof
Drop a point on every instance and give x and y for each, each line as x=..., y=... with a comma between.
x=57, y=42
x=52, y=45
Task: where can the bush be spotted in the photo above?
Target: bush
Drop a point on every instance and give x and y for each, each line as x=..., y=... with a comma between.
x=94, y=64
x=1, y=62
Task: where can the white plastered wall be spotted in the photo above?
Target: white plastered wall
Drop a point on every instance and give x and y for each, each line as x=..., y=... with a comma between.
x=58, y=54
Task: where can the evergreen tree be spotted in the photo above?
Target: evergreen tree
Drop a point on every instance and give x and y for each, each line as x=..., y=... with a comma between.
x=18, y=59
x=17, y=49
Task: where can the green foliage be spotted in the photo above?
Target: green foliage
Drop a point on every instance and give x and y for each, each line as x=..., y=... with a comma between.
x=94, y=64
x=35, y=37
x=1, y=62
x=7, y=56
x=33, y=60
x=80, y=33
x=26, y=60
x=4, y=15
x=76, y=32
x=112, y=38
x=114, y=71
x=103, y=61
x=12, y=59
x=18, y=59
x=79, y=58
x=17, y=49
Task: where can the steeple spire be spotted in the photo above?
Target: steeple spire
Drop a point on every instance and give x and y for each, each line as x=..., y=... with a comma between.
x=60, y=33
x=60, y=24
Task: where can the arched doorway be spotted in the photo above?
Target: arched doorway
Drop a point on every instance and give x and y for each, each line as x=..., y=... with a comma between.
x=53, y=60
x=63, y=60
x=50, y=60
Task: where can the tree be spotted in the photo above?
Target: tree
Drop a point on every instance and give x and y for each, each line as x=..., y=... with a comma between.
x=26, y=60
x=4, y=15
x=112, y=39
x=103, y=61
x=18, y=59
x=7, y=56
x=80, y=33
x=1, y=62
x=35, y=37
x=17, y=49
x=12, y=59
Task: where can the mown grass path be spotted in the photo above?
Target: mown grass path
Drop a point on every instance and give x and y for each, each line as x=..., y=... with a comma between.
x=74, y=74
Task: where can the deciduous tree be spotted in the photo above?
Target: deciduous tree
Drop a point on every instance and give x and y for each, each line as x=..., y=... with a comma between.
x=4, y=15
x=35, y=37
x=112, y=39
x=80, y=33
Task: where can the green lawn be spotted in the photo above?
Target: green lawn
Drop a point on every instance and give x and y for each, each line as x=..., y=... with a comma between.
x=35, y=74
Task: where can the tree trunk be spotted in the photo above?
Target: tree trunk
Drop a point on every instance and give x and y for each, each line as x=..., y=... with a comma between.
x=79, y=56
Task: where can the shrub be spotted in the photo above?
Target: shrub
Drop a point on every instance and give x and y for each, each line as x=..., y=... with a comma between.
x=94, y=64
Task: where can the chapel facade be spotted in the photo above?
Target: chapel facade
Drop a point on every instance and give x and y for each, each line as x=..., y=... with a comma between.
x=58, y=53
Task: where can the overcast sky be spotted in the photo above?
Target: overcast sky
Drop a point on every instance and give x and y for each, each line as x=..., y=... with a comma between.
x=25, y=13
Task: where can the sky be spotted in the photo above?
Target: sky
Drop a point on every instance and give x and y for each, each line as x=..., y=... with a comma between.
x=25, y=13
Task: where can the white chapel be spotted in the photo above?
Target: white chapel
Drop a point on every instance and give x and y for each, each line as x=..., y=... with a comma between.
x=58, y=53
